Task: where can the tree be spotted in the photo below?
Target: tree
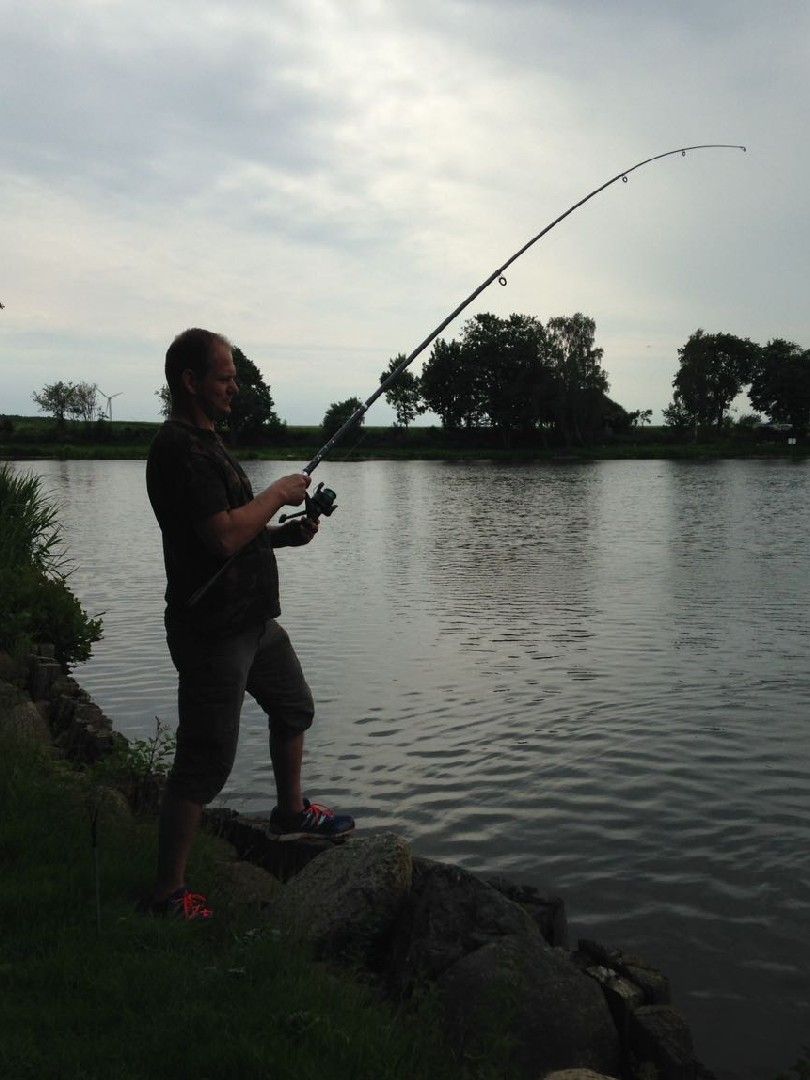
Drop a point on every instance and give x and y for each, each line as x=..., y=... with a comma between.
x=58, y=399
x=780, y=384
x=165, y=400
x=450, y=386
x=514, y=377
x=713, y=370
x=581, y=382
x=253, y=414
x=640, y=417
x=404, y=393
x=83, y=404
x=338, y=413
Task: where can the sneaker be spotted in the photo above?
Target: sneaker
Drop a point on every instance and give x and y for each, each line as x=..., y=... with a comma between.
x=314, y=820
x=182, y=904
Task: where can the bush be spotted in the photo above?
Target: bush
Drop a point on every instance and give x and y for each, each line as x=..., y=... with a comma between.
x=35, y=607
x=36, y=604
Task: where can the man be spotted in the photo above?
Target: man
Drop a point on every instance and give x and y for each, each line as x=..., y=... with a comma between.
x=221, y=608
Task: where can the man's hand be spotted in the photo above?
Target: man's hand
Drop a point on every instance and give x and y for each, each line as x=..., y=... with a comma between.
x=294, y=533
x=290, y=489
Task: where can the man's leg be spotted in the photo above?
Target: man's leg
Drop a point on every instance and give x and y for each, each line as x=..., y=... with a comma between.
x=212, y=676
x=278, y=685
x=179, y=822
x=286, y=754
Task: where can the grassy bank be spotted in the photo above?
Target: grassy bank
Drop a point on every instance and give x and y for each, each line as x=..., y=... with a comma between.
x=153, y=998
x=23, y=438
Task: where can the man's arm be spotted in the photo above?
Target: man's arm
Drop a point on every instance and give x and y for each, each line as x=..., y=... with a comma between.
x=229, y=531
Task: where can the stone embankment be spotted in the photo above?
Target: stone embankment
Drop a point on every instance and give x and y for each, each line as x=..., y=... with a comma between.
x=493, y=953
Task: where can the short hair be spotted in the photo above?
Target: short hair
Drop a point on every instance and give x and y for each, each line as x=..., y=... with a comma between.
x=191, y=349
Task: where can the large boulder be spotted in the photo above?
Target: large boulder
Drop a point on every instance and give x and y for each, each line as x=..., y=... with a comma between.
x=345, y=902
x=19, y=716
x=449, y=914
x=531, y=1003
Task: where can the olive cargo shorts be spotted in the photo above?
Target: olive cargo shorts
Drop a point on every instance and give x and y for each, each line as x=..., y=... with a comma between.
x=213, y=677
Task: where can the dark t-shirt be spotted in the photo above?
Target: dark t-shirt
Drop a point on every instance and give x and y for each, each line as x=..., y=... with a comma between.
x=190, y=476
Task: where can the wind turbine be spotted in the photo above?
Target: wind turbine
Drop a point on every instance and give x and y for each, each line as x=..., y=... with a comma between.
x=109, y=399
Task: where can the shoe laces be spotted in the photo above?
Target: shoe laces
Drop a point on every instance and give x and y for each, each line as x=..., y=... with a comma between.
x=194, y=906
x=319, y=812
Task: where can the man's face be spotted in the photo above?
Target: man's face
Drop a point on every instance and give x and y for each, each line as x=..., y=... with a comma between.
x=216, y=391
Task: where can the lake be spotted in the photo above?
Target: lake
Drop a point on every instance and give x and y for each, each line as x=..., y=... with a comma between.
x=592, y=678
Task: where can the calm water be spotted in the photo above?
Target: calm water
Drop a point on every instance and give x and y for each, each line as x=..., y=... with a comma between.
x=593, y=678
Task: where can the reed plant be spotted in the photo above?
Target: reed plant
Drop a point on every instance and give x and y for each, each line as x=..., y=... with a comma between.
x=30, y=533
x=36, y=604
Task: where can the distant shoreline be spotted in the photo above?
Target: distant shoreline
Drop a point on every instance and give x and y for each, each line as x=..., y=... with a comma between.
x=37, y=438
x=557, y=455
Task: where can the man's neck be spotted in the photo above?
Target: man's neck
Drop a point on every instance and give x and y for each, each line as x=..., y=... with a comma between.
x=191, y=413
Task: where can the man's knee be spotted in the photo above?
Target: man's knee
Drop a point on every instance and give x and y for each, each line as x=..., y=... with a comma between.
x=202, y=765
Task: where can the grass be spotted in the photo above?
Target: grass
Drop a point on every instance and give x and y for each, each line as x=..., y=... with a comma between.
x=153, y=998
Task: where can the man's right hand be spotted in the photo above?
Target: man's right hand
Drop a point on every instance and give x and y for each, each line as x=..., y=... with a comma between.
x=290, y=489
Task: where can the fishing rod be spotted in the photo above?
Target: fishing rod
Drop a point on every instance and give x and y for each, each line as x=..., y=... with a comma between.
x=499, y=274
x=323, y=501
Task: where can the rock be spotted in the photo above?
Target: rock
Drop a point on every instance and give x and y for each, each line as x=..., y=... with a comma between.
x=44, y=673
x=449, y=914
x=255, y=841
x=249, y=885
x=649, y=979
x=547, y=911
x=345, y=902
x=11, y=670
x=531, y=1000
x=111, y=802
x=24, y=721
x=659, y=1034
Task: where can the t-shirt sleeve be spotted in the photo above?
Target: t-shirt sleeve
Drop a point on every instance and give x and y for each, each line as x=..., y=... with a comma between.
x=184, y=484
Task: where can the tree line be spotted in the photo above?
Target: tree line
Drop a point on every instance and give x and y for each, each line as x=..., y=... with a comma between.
x=525, y=381
x=715, y=368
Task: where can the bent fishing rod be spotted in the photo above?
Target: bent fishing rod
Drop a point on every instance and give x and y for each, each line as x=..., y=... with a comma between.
x=323, y=500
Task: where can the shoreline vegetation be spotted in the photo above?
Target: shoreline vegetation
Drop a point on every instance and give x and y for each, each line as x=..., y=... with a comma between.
x=36, y=438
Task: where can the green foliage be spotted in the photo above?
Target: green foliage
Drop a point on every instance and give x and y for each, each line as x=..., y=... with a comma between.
x=780, y=384
x=253, y=414
x=404, y=394
x=35, y=602
x=713, y=370
x=450, y=386
x=580, y=378
x=35, y=607
x=338, y=413
x=165, y=397
x=83, y=403
x=29, y=529
x=517, y=376
x=58, y=399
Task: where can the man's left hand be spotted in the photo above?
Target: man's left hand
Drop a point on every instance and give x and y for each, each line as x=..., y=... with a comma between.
x=298, y=532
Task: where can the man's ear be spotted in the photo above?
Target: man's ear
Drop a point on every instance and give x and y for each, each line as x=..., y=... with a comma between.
x=189, y=381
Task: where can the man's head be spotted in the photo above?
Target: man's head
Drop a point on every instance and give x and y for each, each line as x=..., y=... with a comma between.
x=201, y=374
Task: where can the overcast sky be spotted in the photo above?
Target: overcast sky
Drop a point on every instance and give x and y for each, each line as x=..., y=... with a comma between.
x=324, y=180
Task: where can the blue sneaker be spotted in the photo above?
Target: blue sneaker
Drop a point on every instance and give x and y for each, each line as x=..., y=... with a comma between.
x=314, y=820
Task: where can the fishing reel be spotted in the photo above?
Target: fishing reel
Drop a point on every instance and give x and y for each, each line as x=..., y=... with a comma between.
x=322, y=502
